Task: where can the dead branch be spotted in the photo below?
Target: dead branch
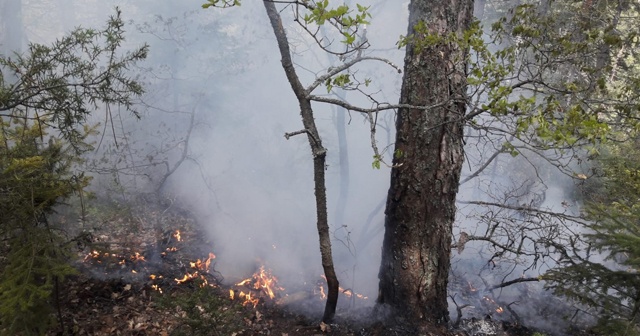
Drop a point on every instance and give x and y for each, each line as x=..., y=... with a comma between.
x=183, y=155
x=514, y=281
x=458, y=310
x=379, y=108
x=483, y=167
x=525, y=208
x=290, y=134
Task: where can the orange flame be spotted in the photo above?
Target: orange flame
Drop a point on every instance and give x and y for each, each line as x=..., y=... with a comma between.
x=187, y=277
x=177, y=235
x=199, y=266
x=248, y=299
x=347, y=292
x=203, y=266
x=244, y=282
x=262, y=283
x=265, y=281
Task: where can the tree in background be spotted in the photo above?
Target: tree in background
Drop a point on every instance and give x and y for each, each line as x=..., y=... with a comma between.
x=43, y=127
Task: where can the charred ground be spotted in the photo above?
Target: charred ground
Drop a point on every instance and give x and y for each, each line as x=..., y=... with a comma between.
x=152, y=271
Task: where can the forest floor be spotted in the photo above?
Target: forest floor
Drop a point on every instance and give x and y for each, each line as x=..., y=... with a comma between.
x=152, y=272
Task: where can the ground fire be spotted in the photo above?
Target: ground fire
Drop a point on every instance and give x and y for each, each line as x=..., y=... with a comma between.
x=346, y=292
x=201, y=268
x=261, y=285
x=161, y=276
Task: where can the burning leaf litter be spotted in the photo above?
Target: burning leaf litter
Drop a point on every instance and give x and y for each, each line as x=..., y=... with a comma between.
x=130, y=275
x=177, y=235
x=347, y=292
x=261, y=285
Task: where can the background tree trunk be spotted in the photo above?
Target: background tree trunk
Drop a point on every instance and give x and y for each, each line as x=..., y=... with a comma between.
x=429, y=155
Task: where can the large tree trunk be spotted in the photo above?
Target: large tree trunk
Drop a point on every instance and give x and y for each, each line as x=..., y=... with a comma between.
x=429, y=155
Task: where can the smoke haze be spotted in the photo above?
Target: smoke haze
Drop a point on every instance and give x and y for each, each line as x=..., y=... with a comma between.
x=251, y=188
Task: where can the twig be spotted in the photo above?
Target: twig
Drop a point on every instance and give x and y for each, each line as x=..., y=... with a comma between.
x=458, y=309
x=511, y=282
x=290, y=134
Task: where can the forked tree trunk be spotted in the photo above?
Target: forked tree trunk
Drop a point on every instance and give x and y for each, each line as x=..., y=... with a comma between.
x=429, y=155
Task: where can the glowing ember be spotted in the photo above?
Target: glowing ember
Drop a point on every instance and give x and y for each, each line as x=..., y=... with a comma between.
x=93, y=254
x=137, y=257
x=177, y=235
x=321, y=292
x=499, y=310
x=471, y=288
x=232, y=294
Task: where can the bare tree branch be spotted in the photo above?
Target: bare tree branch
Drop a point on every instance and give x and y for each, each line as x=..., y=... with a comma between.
x=336, y=70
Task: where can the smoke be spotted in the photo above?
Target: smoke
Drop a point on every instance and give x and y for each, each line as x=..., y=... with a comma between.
x=248, y=185
x=251, y=188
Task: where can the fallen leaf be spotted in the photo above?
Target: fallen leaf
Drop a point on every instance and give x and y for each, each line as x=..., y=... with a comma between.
x=325, y=327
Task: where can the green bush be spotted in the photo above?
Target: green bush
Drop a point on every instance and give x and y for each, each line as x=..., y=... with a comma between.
x=43, y=134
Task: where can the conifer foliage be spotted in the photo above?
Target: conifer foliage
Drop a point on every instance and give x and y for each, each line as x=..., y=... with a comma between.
x=46, y=96
x=604, y=273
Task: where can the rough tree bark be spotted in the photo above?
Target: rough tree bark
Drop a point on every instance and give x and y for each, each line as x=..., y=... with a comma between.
x=319, y=159
x=424, y=181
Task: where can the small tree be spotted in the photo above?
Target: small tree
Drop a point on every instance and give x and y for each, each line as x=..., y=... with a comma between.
x=604, y=273
x=43, y=126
